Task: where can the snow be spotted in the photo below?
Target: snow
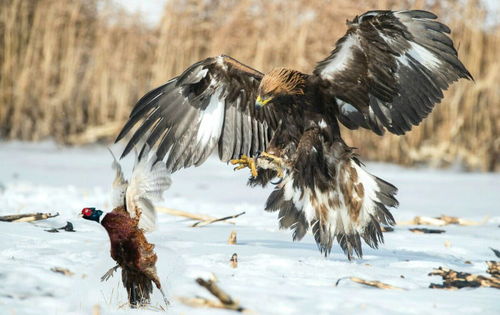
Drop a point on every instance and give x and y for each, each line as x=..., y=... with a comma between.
x=274, y=275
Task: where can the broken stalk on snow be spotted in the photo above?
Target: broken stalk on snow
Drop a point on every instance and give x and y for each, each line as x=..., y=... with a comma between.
x=234, y=261
x=232, y=240
x=224, y=300
x=189, y=215
x=426, y=231
x=494, y=268
x=64, y=271
x=185, y=214
x=376, y=284
x=207, y=222
x=441, y=221
x=456, y=280
x=28, y=217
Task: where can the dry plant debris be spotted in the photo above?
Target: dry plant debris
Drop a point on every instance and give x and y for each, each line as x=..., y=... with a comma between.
x=203, y=219
x=93, y=134
x=234, y=261
x=232, y=240
x=207, y=222
x=28, y=217
x=185, y=214
x=456, y=280
x=68, y=228
x=376, y=284
x=441, y=221
x=426, y=231
x=224, y=300
x=494, y=268
x=63, y=271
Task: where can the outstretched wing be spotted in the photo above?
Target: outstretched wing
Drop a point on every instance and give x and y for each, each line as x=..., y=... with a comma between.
x=390, y=69
x=210, y=105
x=119, y=184
x=149, y=181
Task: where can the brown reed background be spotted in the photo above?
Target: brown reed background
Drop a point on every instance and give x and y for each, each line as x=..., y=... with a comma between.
x=71, y=72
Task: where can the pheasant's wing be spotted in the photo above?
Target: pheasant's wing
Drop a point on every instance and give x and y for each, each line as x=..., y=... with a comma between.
x=119, y=185
x=389, y=70
x=150, y=179
x=211, y=105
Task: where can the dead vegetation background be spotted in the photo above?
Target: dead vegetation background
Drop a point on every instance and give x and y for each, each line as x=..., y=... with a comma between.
x=72, y=70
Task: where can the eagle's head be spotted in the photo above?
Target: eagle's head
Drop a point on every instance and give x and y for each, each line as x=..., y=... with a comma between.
x=279, y=83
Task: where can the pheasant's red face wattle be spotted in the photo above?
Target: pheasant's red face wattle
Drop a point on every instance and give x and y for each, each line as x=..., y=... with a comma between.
x=87, y=212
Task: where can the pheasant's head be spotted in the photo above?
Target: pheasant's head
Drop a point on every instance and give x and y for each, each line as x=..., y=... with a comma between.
x=91, y=214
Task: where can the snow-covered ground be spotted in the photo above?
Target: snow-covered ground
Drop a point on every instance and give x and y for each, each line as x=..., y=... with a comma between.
x=274, y=275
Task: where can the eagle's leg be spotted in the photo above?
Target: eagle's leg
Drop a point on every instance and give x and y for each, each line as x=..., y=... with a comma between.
x=276, y=161
x=245, y=161
x=109, y=273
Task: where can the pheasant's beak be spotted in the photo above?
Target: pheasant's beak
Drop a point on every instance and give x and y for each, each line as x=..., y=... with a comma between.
x=262, y=102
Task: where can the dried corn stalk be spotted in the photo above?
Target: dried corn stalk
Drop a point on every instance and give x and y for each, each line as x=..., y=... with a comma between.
x=225, y=301
x=376, y=284
x=28, y=217
x=441, y=221
x=456, y=280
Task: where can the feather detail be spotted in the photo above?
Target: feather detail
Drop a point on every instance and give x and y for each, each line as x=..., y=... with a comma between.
x=148, y=182
x=389, y=70
x=210, y=105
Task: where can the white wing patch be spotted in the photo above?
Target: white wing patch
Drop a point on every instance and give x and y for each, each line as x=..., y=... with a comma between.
x=424, y=56
x=341, y=59
x=211, y=120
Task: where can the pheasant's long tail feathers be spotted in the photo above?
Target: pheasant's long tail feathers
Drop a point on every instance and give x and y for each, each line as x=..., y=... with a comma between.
x=347, y=204
x=139, y=287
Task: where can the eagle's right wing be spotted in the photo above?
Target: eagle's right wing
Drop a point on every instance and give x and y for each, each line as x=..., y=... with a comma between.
x=210, y=105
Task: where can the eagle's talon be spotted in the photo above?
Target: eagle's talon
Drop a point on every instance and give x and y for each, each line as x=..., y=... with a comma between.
x=243, y=162
x=277, y=161
x=273, y=158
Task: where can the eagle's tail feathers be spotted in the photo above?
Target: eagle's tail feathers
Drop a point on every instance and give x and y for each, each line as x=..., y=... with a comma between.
x=351, y=207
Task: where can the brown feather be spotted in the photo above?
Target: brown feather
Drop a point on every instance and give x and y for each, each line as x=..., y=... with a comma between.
x=283, y=81
x=134, y=254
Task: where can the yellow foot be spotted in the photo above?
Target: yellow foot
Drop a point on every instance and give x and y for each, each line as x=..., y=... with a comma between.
x=277, y=161
x=245, y=161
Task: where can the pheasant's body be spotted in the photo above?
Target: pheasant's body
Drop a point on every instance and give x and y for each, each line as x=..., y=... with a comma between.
x=133, y=253
x=133, y=215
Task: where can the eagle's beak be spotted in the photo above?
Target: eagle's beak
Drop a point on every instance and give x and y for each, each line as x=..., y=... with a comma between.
x=261, y=102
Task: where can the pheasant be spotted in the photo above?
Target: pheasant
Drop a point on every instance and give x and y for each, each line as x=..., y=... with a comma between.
x=133, y=215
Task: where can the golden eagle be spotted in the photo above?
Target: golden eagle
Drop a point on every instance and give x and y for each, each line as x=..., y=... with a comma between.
x=387, y=72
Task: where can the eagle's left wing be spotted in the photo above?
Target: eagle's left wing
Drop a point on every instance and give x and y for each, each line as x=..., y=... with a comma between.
x=389, y=70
